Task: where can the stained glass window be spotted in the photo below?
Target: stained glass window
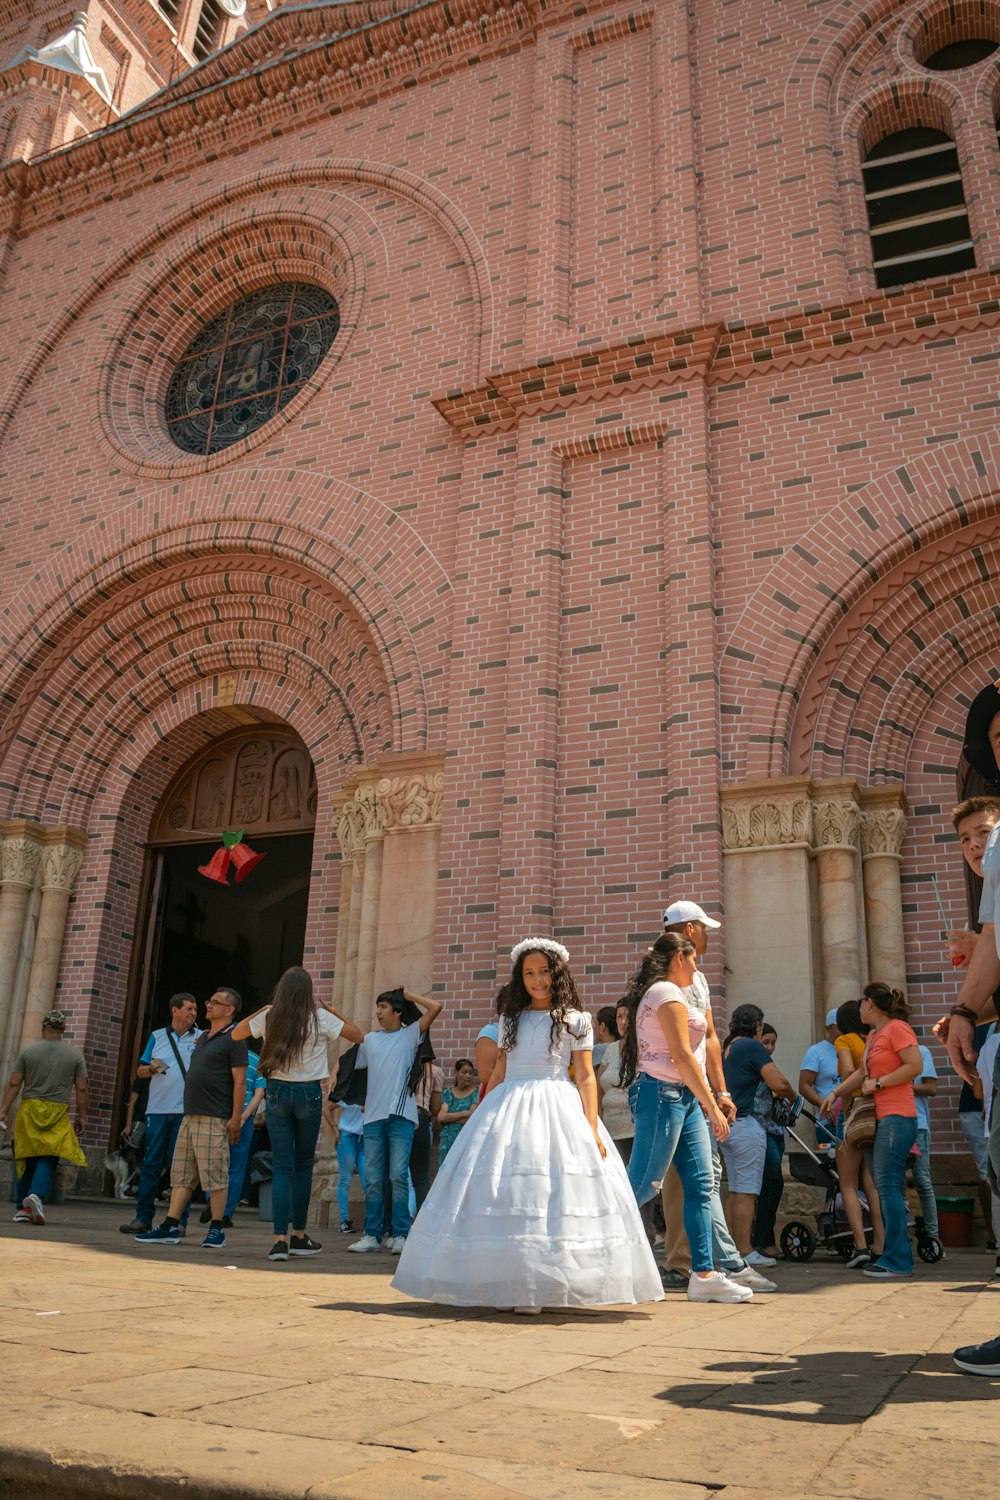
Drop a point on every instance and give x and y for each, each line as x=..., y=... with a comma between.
x=247, y=364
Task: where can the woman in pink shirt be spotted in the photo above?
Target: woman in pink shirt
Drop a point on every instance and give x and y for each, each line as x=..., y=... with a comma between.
x=891, y=1062
x=663, y=1068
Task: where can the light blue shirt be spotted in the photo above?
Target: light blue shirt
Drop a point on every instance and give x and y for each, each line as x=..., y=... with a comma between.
x=923, y=1108
x=389, y=1056
x=821, y=1059
x=166, y=1090
x=989, y=906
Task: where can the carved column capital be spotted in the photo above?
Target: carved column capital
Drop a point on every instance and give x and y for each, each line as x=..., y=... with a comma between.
x=883, y=831
x=371, y=811
x=763, y=815
x=836, y=823
x=412, y=801
x=60, y=866
x=349, y=827
x=19, y=860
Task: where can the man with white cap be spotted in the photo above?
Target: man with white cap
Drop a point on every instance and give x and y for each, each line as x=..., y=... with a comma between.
x=689, y=920
x=818, y=1076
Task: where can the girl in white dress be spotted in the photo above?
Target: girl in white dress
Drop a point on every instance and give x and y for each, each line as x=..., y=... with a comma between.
x=532, y=1207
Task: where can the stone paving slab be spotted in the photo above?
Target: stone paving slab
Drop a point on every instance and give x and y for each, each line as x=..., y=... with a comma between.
x=131, y=1372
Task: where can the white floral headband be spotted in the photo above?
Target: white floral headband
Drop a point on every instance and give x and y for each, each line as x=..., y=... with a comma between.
x=539, y=945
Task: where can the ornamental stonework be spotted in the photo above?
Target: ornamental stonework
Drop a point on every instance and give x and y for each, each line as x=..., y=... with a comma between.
x=835, y=823
x=19, y=860
x=883, y=831
x=758, y=825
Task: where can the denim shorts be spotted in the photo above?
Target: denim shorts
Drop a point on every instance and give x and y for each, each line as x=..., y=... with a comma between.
x=744, y=1154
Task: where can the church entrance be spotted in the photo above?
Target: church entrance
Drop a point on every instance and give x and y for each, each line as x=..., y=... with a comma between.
x=195, y=933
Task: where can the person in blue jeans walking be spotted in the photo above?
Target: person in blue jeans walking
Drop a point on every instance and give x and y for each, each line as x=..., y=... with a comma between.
x=349, y=1131
x=165, y=1060
x=890, y=1064
x=663, y=1067
x=295, y=1060
x=390, y=1115
x=924, y=1088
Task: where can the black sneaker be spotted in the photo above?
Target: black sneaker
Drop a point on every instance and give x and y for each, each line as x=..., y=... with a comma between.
x=205, y=1217
x=278, y=1251
x=673, y=1281
x=346, y=1227
x=979, y=1359
x=227, y=1222
x=859, y=1258
x=301, y=1244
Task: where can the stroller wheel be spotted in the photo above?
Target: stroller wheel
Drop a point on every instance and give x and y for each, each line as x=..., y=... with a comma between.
x=798, y=1241
x=929, y=1249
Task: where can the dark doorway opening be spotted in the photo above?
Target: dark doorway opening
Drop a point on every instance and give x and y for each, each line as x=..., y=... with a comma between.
x=198, y=934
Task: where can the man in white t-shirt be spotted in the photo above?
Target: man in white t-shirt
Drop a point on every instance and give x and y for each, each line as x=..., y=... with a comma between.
x=390, y=1114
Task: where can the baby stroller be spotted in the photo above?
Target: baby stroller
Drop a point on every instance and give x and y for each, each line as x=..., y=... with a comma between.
x=798, y=1241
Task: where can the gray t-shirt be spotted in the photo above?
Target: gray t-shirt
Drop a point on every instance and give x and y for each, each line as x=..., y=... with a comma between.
x=49, y=1070
x=388, y=1056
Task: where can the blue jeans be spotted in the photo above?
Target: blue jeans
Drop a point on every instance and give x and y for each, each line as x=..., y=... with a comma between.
x=294, y=1115
x=922, y=1182
x=239, y=1155
x=894, y=1136
x=161, y=1137
x=38, y=1174
x=350, y=1154
x=670, y=1127
x=388, y=1141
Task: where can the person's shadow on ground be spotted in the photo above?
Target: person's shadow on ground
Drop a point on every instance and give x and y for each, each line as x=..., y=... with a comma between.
x=844, y=1387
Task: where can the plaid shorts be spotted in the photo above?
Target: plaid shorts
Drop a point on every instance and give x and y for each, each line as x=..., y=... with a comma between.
x=201, y=1154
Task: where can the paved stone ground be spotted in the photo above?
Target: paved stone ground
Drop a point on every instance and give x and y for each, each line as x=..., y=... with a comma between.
x=130, y=1372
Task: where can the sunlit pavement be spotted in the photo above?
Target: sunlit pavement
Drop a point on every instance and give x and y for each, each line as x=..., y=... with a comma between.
x=128, y=1370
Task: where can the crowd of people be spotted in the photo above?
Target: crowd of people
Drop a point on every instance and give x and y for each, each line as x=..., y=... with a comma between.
x=552, y=1179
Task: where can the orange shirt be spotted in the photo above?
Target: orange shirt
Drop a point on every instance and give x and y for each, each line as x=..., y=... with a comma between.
x=883, y=1058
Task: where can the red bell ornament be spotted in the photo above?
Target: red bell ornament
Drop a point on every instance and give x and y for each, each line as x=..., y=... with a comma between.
x=217, y=867
x=245, y=859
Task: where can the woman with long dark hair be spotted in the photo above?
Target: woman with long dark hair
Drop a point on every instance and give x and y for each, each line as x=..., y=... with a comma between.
x=663, y=1067
x=294, y=1059
x=891, y=1062
x=531, y=1208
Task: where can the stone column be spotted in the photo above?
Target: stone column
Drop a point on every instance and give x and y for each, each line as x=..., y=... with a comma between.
x=836, y=836
x=369, y=805
x=410, y=794
x=883, y=828
x=769, y=933
x=20, y=858
x=62, y=856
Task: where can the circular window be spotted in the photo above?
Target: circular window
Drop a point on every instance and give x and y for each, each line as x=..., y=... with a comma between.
x=960, y=54
x=248, y=363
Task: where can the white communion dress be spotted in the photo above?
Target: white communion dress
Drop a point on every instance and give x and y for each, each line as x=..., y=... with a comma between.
x=524, y=1212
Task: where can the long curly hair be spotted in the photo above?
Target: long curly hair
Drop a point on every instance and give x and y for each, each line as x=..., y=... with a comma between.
x=654, y=967
x=291, y=1022
x=514, y=999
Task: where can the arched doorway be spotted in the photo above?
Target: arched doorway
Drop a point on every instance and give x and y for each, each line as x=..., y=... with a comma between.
x=193, y=933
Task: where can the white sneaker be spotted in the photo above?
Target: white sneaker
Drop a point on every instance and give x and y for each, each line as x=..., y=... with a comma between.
x=23, y=1217
x=394, y=1244
x=716, y=1288
x=35, y=1207
x=753, y=1279
x=756, y=1258
x=366, y=1244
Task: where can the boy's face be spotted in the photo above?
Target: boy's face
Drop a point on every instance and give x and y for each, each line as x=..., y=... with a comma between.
x=973, y=835
x=388, y=1018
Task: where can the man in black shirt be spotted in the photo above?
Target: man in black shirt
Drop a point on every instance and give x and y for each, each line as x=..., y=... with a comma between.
x=213, y=1102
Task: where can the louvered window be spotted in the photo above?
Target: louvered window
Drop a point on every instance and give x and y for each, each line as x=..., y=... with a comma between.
x=916, y=207
x=206, y=37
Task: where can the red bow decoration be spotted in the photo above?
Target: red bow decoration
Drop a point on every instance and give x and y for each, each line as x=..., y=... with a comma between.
x=233, y=852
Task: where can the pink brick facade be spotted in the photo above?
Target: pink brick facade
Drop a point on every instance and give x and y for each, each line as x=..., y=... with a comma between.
x=620, y=482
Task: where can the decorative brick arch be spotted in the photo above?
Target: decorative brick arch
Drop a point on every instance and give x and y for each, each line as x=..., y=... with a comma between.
x=895, y=655
x=339, y=549
x=789, y=620
x=339, y=171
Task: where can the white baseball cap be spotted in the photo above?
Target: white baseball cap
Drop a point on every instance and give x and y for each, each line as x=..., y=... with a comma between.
x=831, y=1017
x=687, y=911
